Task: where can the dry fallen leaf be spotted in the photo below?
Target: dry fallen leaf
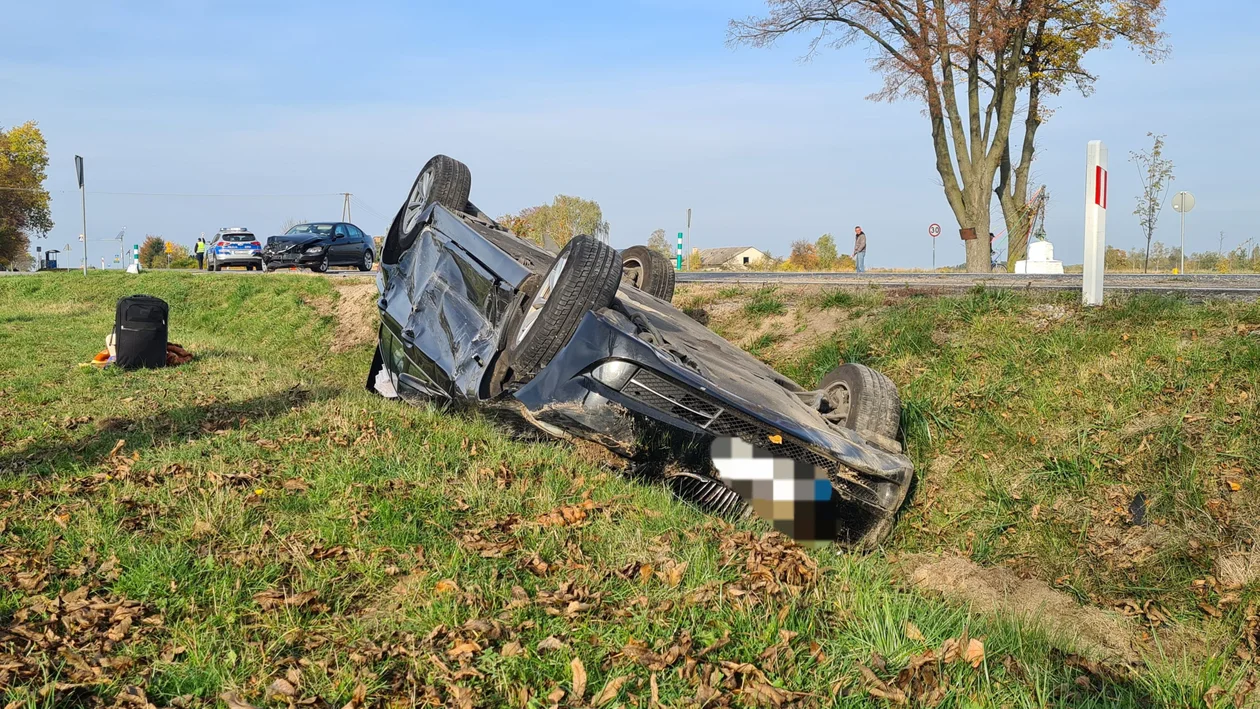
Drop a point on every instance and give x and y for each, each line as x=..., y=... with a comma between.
x=281, y=688
x=913, y=633
x=463, y=648
x=296, y=485
x=879, y=689
x=975, y=652
x=610, y=691
x=234, y=701
x=675, y=573
x=579, y=678
x=358, y=699
x=445, y=586
x=512, y=649
x=550, y=643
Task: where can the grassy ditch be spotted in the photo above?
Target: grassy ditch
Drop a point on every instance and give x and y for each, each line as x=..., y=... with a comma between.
x=254, y=529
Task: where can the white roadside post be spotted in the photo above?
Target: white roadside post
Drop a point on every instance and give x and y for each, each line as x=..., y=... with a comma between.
x=1095, y=223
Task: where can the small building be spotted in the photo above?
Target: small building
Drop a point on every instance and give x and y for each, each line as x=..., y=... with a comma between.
x=729, y=257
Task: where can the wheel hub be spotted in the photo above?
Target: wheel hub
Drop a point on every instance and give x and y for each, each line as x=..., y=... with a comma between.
x=540, y=298
x=419, y=197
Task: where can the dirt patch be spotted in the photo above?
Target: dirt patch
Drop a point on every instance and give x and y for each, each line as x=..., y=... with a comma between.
x=1239, y=568
x=1045, y=315
x=353, y=312
x=814, y=326
x=1091, y=631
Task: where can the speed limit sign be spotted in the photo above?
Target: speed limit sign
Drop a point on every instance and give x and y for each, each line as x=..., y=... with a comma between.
x=934, y=230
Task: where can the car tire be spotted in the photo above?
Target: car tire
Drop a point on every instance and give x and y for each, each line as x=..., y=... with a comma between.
x=445, y=181
x=584, y=277
x=365, y=264
x=874, y=404
x=648, y=271
x=322, y=266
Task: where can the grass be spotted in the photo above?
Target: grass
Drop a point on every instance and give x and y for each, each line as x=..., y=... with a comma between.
x=763, y=302
x=267, y=519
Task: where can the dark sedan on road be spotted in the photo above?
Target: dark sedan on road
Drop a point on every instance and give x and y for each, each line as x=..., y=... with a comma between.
x=320, y=246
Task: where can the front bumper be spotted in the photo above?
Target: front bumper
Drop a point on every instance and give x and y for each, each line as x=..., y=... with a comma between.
x=295, y=258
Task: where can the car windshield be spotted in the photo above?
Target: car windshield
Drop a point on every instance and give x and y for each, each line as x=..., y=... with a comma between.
x=236, y=237
x=319, y=229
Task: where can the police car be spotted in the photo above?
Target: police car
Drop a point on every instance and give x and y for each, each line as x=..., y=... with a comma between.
x=234, y=246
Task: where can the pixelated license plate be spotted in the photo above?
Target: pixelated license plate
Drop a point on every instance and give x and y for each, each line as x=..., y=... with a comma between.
x=794, y=496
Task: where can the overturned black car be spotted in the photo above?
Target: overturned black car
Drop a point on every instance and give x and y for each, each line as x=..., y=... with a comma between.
x=585, y=344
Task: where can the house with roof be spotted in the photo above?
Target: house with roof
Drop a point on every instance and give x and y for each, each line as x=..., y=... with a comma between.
x=729, y=258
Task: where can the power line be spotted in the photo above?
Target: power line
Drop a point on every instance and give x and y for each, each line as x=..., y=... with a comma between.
x=177, y=194
x=368, y=208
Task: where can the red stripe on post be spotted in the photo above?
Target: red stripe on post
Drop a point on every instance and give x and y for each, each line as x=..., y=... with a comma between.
x=1098, y=183
x=1106, y=177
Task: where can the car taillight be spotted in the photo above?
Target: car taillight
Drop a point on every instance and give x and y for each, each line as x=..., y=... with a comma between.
x=255, y=244
x=222, y=243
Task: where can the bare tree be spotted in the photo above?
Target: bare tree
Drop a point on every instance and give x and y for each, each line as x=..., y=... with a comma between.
x=992, y=53
x=290, y=223
x=1156, y=173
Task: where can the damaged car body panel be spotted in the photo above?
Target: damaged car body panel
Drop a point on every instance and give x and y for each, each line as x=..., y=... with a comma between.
x=636, y=375
x=442, y=304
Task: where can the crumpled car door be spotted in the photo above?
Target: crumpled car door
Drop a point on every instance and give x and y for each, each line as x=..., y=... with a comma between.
x=434, y=305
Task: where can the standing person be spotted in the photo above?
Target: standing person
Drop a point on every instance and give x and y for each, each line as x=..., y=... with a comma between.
x=859, y=249
x=201, y=251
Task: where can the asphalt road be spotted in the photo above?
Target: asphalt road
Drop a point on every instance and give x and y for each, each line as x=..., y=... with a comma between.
x=338, y=273
x=1234, y=286
x=1239, y=286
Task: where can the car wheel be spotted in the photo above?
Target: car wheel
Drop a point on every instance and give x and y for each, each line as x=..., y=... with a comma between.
x=445, y=181
x=584, y=277
x=648, y=271
x=874, y=407
x=322, y=266
x=366, y=265
x=264, y=267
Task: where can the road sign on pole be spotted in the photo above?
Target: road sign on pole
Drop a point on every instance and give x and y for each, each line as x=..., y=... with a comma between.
x=78, y=170
x=1183, y=203
x=1095, y=222
x=934, y=231
x=688, y=236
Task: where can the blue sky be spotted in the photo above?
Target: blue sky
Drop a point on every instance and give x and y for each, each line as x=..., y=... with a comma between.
x=639, y=105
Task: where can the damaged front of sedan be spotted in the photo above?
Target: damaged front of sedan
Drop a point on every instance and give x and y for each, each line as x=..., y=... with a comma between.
x=584, y=344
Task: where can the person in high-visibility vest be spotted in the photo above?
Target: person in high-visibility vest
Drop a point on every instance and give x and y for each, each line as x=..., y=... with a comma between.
x=201, y=252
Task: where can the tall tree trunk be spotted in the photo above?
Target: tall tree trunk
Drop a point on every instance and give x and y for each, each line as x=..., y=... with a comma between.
x=977, y=217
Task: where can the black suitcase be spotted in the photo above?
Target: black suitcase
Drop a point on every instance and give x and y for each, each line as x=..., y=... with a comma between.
x=140, y=332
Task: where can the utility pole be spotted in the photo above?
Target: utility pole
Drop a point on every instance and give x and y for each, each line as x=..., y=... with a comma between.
x=1220, y=246
x=345, y=207
x=78, y=168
